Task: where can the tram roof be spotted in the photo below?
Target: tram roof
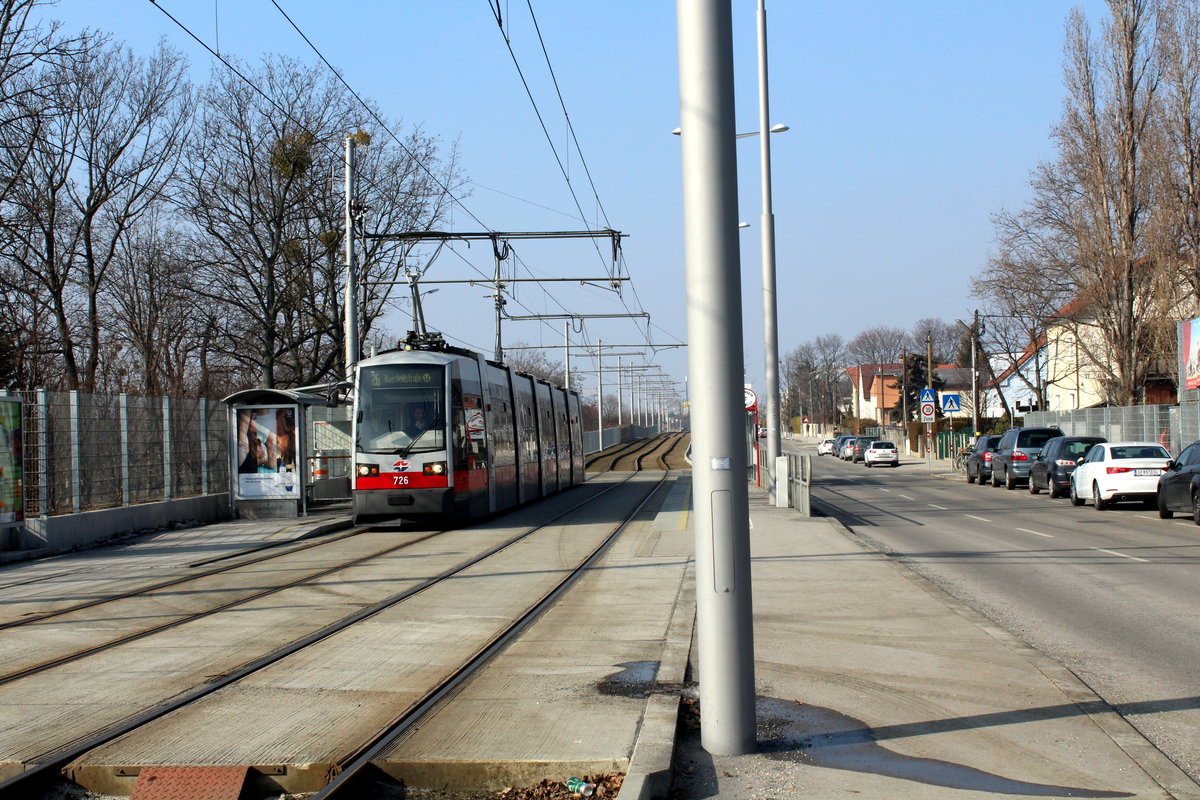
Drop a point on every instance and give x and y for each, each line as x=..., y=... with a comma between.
x=276, y=397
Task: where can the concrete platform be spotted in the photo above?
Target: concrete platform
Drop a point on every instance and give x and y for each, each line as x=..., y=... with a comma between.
x=307, y=713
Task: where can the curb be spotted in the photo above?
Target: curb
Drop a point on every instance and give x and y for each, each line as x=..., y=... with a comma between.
x=649, y=772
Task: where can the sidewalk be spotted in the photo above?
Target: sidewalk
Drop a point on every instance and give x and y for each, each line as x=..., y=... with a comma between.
x=874, y=683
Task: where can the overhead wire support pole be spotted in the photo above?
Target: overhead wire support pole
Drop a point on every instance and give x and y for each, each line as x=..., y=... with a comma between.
x=350, y=324
x=724, y=612
x=770, y=305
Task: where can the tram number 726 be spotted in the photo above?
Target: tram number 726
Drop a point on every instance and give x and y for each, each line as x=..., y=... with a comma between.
x=399, y=480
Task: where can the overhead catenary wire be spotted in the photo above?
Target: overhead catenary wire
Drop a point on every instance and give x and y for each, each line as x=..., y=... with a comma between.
x=541, y=120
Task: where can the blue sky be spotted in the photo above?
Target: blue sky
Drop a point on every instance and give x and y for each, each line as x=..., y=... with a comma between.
x=911, y=123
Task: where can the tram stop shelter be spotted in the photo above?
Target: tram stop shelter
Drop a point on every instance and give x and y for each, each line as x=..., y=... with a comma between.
x=273, y=466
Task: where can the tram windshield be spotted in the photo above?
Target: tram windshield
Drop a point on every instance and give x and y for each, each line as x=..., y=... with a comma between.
x=401, y=409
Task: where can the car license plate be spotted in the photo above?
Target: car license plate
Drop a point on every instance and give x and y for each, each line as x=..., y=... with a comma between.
x=1147, y=472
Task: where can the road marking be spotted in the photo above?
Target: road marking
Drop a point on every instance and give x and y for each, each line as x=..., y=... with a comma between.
x=883, y=489
x=939, y=508
x=906, y=497
x=1120, y=555
x=1186, y=524
x=1035, y=533
x=972, y=516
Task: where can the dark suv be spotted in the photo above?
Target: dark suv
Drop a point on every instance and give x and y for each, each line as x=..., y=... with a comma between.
x=1053, y=467
x=979, y=461
x=860, y=446
x=1015, y=453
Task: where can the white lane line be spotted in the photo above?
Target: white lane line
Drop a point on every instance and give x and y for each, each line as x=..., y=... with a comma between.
x=1120, y=555
x=906, y=497
x=883, y=489
x=939, y=508
x=972, y=516
x=1035, y=533
x=1186, y=524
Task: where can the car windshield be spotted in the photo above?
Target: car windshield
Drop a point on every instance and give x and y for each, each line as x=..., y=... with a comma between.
x=882, y=446
x=1140, y=451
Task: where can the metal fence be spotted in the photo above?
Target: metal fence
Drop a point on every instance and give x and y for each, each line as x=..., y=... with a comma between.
x=89, y=451
x=1172, y=426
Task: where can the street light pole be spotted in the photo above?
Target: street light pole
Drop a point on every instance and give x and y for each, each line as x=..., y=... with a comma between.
x=770, y=304
x=724, y=618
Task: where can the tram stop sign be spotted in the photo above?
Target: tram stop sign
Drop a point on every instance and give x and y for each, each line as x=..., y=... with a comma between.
x=751, y=399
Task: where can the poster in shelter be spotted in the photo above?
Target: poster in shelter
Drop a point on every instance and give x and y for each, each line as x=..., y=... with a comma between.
x=12, y=505
x=1190, y=353
x=266, y=453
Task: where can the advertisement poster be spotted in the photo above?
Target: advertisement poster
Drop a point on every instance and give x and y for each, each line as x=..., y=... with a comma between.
x=12, y=506
x=1190, y=353
x=266, y=453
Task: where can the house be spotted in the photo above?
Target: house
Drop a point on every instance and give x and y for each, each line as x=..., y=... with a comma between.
x=875, y=390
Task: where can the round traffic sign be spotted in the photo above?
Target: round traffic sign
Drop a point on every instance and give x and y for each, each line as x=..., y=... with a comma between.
x=751, y=399
x=927, y=410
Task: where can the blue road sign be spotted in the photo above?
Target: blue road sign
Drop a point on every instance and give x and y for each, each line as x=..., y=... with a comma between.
x=950, y=402
x=927, y=396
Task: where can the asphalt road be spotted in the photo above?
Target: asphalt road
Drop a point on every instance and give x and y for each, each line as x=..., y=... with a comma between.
x=1113, y=595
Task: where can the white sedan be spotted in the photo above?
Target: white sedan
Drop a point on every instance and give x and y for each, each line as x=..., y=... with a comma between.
x=1114, y=471
x=825, y=447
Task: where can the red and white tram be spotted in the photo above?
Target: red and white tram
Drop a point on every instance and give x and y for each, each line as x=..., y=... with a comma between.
x=446, y=432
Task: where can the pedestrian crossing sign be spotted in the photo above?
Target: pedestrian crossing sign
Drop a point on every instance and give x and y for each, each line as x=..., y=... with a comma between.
x=950, y=403
x=927, y=396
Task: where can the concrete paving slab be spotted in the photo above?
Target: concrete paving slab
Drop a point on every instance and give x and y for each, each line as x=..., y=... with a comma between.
x=873, y=682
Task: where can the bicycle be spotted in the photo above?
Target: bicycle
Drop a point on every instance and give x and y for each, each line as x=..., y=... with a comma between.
x=960, y=460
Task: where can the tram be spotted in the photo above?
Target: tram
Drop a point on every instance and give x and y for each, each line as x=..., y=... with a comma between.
x=441, y=431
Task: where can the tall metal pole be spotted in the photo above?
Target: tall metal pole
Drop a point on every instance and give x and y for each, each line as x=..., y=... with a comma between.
x=350, y=325
x=929, y=386
x=974, y=375
x=770, y=306
x=620, y=396
x=724, y=619
x=600, y=391
x=904, y=394
x=567, y=352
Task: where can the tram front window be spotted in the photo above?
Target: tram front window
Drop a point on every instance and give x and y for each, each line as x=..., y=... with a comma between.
x=400, y=409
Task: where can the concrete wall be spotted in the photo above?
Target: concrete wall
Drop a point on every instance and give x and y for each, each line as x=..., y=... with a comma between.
x=68, y=531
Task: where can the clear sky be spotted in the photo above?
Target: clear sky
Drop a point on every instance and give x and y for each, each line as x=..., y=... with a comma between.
x=911, y=123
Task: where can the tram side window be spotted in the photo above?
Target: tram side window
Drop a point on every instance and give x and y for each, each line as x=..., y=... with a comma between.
x=468, y=423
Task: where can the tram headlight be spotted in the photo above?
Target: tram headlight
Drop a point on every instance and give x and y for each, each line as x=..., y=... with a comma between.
x=367, y=470
x=435, y=468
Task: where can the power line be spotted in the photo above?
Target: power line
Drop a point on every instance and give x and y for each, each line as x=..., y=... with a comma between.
x=541, y=121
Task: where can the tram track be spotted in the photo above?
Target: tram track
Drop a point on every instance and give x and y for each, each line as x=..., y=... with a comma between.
x=342, y=783
x=283, y=551
x=40, y=767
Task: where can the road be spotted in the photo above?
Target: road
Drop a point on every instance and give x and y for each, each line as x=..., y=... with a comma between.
x=1113, y=595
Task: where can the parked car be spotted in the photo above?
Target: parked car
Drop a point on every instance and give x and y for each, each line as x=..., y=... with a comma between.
x=878, y=452
x=1112, y=472
x=859, y=447
x=979, y=461
x=825, y=447
x=1015, y=452
x=1053, y=467
x=846, y=448
x=1179, y=485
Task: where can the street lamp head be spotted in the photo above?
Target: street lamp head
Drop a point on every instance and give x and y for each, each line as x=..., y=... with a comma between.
x=779, y=127
x=743, y=224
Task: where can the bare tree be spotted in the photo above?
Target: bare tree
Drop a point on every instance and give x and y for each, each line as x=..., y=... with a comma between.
x=880, y=345
x=1086, y=236
x=943, y=336
x=109, y=133
x=257, y=188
